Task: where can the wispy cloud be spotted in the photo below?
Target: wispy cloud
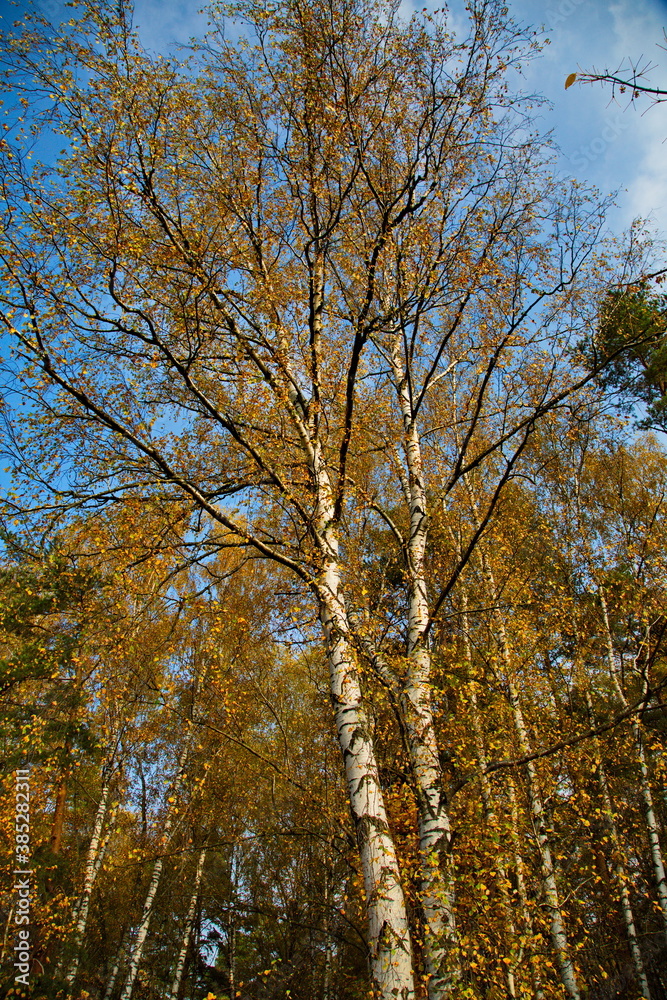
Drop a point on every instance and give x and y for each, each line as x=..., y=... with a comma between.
x=163, y=24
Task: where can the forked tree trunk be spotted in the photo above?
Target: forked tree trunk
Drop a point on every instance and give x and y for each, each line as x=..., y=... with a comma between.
x=644, y=779
x=187, y=929
x=440, y=944
x=388, y=933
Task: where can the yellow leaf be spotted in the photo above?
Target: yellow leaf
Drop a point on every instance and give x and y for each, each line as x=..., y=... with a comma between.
x=570, y=80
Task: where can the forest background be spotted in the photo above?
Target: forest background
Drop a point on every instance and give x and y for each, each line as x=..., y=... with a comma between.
x=333, y=582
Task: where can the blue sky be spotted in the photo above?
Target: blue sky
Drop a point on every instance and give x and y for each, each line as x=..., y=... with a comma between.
x=612, y=146
x=608, y=144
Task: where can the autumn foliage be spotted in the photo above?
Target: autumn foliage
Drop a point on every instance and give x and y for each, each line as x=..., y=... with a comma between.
x=333, y=590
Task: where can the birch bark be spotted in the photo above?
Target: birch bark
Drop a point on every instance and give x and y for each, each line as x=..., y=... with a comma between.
x=645, y=784
x=327, y=973
x=557, y=926
x=441, y=944
x=93, y=864
x=520, y=871
x=115, y=969
x=187, y=929
x=619, y=869
x=389, y=937
x=516, y=952
x=390, y=947
x=147, y=911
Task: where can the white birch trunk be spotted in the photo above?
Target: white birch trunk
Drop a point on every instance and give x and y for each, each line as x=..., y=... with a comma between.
x=328, y=947
x=231, y=951
x=618, y=866
x=441, y=944
x=515, y=951
x=519, y=868
x=147, y=912
x=115, y=969
x=93, y=864
x=388, y=933
x=490, y=816
x=187, y=930
x=142, y=932
x=645, y=786
x=622, y=882
x=5, y=936
x=390, y=947
x=557, y=926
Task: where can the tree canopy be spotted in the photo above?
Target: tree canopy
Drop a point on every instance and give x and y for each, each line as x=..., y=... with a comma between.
x=636, y=320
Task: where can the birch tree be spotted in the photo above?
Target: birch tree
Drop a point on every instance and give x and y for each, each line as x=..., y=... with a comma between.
x=249, y=271
x=187, y=927
x=96, y=850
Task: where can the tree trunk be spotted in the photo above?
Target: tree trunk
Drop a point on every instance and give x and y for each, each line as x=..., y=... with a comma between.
x=58, y=822
x=5, y=936
x=140, y=940
x=327, y=974
x=390, y=946
x=388, y=934
x=522, y=893
x=619, y=870
x=93, y=864
x=231, y=950
x=441, y=944
x=515, y=952
x=115, y=969
x=645, y=786
x=147, y=912
x=187, y=930
x=557, y=926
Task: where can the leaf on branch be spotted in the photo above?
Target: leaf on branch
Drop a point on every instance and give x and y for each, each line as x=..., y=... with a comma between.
x=570, y=80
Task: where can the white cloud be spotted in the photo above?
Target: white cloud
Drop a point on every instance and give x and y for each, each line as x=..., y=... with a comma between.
x=647, y=192
x=162, y=25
